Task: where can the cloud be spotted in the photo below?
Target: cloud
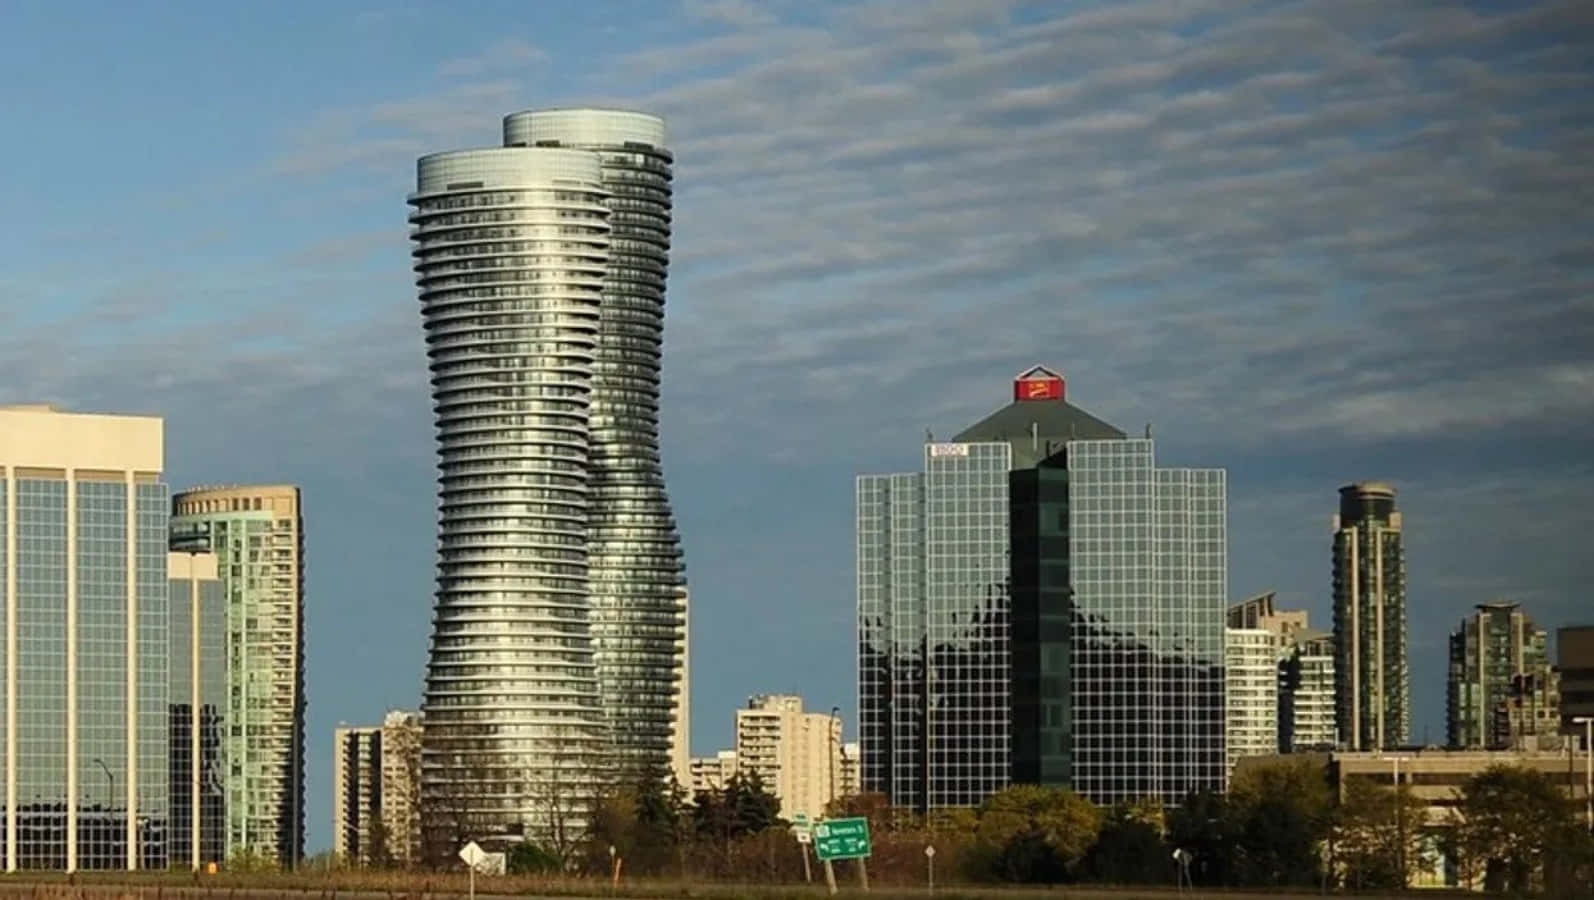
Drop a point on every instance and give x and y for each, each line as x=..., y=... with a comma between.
x=508, y=55
x=1312, y=242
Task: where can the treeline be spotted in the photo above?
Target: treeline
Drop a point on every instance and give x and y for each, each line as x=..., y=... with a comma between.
x=1280, y=825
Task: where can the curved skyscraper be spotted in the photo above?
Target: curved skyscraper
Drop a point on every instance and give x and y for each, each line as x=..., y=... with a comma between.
x=512, y=246
x=635, y=551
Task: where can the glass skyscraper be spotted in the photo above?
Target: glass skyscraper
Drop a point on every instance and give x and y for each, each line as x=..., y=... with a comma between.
x=557, y=649
x=84, y=570
x=1043, y=604
x=257, y=535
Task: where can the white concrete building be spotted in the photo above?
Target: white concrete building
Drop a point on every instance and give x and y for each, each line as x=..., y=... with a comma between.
x=1251, y=704
x=795, y=754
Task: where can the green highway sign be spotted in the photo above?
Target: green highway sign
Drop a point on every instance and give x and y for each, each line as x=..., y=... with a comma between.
x=842, y=839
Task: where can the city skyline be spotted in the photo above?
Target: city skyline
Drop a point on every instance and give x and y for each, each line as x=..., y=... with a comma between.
x=951, y=194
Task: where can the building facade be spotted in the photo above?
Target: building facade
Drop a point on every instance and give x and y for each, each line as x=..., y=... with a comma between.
x=681, y=724
x=1041, y=604
x=850, y=779
x=1574, y=656
x=1489, y=650
x=83, y=566
x=1307, y=718
x=795, y=755
x=376, y=813
x=1372, y=693
x=635, y=572
x=401, y=787
x=712, y=773
x=356, y=794
x=1251, y=696
x=198, y=705
x=511, y=250
x=257, y=535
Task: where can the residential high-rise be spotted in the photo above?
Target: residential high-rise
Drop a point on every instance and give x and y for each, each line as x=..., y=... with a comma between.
x=1042, y=604
x=1251, y=696
x=515, y=731
x=1372, y=691
x=356, y=794
x=711, y=773
x=681, y=725
x=1306, y=694
x=541, y=268
x=634, y=551
x=376, y=818
x=1488, y=650
x=1574, y=656
x=1305, y=658
x=83, y=567
x=198, y=664
x=257, y=534
x=849, y=781
x=796, y=755
x=401, y=787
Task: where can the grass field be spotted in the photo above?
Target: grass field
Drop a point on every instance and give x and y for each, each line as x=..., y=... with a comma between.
x=357, y=885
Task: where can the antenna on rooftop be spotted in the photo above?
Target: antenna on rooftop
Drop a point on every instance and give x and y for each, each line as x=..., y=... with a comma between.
x=929, y=436
x=1148, y=431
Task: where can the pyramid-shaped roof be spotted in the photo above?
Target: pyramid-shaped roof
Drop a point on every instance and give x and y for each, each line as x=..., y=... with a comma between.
x=1038, y=430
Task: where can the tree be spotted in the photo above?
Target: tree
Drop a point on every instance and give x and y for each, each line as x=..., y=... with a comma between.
x=1206, y=826
x=1280, y=813
x=1379, y=835
x=1030, y=833
x=527, y=858
x=1129, y=849
x=1508, y=821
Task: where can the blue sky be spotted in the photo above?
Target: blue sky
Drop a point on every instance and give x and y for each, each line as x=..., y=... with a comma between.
x=1311, y=242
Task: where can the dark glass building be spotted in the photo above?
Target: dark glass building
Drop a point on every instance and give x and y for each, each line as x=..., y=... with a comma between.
x=1043, y=604
x=1372, y=687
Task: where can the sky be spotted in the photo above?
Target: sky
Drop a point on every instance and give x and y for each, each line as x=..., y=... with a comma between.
x=1311, y=242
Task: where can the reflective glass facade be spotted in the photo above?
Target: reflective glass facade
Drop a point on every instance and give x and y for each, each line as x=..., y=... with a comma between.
x=257, y=536
x=196, y=712
x=933, y=612
x=1042, y=605
x=85, y=740
x=1149, y=565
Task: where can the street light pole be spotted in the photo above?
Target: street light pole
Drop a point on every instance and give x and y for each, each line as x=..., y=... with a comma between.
x=832, y=750
x=1588, y=767
x=110, y=784
x=1400, y=815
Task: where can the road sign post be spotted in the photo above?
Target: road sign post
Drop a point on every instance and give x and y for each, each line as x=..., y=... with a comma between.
x=843, y=839
x=929, y=861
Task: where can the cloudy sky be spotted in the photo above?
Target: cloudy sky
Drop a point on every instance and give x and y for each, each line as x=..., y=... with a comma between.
x=1308, y=241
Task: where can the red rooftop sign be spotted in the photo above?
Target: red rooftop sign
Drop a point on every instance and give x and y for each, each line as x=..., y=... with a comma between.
x=1039, y=383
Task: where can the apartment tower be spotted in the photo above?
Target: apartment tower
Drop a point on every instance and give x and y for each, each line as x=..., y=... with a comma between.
x=1490, y=651
x=376, y=790
x=635, y=573
x=1372, y=691
x=541, y=269
x=83, y=567
x=1251, y=696
x=257, y=535
x=796, y=755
